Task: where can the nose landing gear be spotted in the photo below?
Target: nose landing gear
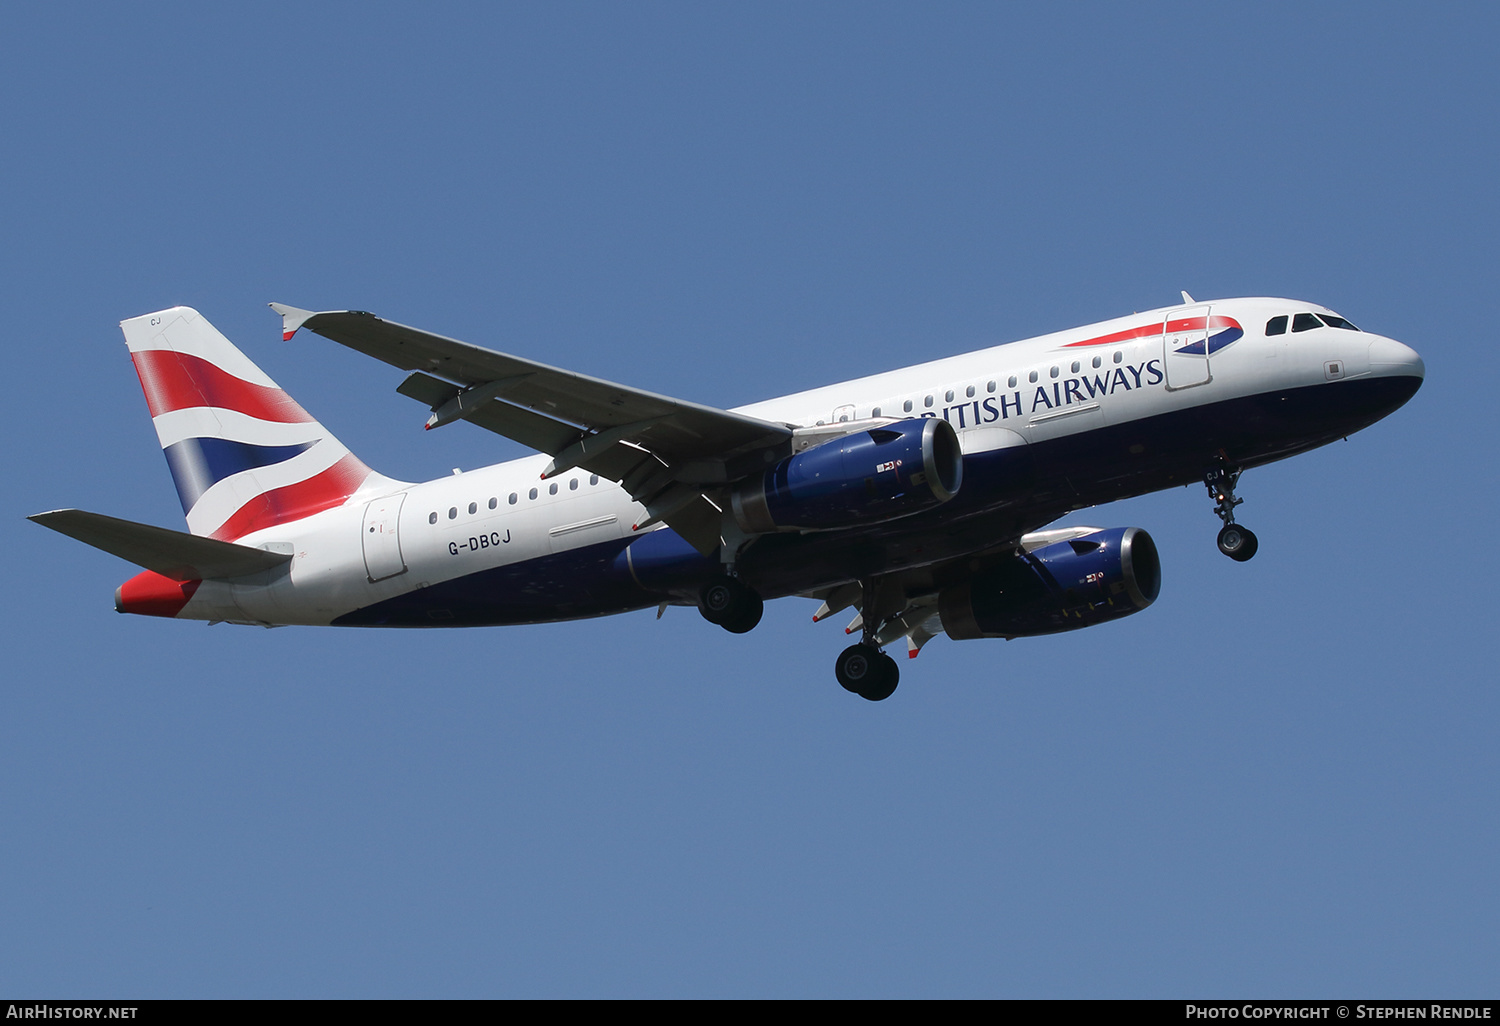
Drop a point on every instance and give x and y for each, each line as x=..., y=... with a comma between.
x=1236, y=542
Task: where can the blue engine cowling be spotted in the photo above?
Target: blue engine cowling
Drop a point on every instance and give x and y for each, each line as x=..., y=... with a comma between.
x=1061, y=587
x=862, y=478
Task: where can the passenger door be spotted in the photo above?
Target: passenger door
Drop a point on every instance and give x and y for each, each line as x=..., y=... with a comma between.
x=1184, y=339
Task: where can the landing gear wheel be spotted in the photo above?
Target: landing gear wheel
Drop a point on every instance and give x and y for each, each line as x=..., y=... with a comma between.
x=1238, y=543
x=867, y=672
x=856, y=667
x=731, y=604
x=890, y=676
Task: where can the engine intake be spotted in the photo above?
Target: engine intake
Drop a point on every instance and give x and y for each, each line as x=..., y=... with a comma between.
x=861, y=478
x=1062, y=587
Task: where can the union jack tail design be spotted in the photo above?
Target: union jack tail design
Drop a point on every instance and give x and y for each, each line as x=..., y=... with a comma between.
x=243, y=454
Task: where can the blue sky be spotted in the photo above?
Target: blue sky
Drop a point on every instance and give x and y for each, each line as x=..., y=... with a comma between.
x=1278, y=781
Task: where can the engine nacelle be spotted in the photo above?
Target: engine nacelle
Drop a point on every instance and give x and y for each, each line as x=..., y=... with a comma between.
x=1061, y=587
x=860, y=478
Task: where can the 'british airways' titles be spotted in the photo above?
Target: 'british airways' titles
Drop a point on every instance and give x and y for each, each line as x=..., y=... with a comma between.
x=1053, y=395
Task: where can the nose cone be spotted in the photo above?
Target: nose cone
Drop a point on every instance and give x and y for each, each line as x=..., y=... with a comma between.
x=1396, y=372
x=1391, y=359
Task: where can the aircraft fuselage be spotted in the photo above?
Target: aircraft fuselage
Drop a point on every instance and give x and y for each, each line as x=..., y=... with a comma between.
x=1047, y=425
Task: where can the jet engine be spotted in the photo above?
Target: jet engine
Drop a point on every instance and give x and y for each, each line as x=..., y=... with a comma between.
x=1059, y=587
x=864, y=477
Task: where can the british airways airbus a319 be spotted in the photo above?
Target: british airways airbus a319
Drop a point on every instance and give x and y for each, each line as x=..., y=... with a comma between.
x=917, y=497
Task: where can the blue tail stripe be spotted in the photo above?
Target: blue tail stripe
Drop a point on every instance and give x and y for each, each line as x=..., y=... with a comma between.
x=198, y=464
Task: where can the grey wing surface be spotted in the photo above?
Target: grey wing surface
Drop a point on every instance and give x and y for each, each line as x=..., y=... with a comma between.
x=672, y=456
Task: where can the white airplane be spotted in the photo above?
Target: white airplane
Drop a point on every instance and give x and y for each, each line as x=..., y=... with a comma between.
x=917, y=496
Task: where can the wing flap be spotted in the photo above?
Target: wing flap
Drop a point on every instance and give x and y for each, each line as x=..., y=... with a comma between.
x=174, y=554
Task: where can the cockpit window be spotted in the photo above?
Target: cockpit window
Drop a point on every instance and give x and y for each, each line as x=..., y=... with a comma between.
x=1305, y=322
x=1335, y=321
x=1276, y=325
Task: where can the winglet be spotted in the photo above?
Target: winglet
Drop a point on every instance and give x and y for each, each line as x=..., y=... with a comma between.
x=291, y=319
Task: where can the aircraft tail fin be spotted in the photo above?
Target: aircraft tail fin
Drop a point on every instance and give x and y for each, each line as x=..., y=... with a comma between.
x=243, y=454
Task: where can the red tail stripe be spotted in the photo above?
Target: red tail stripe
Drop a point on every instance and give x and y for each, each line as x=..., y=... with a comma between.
x=1154, y=328
x=179, y=381
x=295, y=501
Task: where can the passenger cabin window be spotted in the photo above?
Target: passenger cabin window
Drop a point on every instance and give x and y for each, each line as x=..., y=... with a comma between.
x=513, y=498
x=452, y=512
x=875, y=412
x=1011, y=383
x=1305, y=322
x=1276, y=326
x=593, y=479
x=532, y=494
x=573, y=485
x=1075, y=366
x=948, y=396
x=494, y=502
x=1097, y=361
x=473, y=508
x=552, y=488
x=927, y=401
x=1031, y=377
x=906, y=406
x=969, y=391
x=432, y=518
x=990, y=387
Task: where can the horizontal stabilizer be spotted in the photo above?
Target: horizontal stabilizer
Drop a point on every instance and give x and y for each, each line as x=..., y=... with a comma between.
x=173, y=554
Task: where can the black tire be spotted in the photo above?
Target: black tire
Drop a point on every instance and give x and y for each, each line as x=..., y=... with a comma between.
x=857, y=667
x=747, y=614
x=731, y=604
x=888, y=676
x=716, y=600
x=1248, y=550
x=1238, y=543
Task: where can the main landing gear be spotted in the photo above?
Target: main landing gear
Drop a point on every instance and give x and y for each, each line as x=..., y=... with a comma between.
x=1236, y=542
x=867, y=671
x=731, y=603
x=864, y=669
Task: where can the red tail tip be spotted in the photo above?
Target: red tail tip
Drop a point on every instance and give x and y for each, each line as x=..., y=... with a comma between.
x=151, y=594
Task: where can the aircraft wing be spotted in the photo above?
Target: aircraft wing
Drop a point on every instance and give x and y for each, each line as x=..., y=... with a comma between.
x=670, y=455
